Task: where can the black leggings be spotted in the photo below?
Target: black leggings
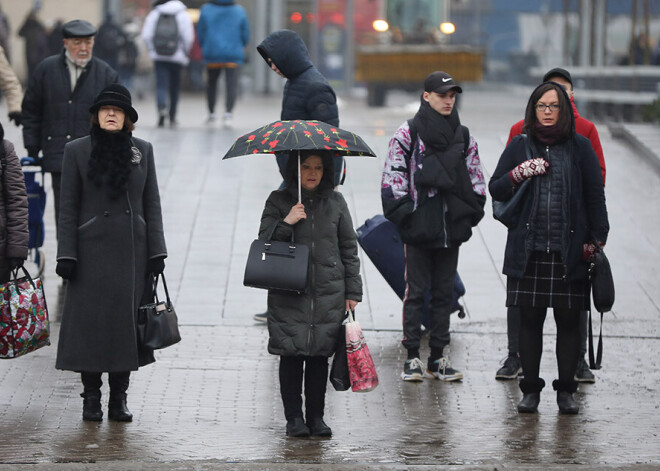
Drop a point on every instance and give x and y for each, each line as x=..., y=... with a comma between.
x=567, y=347
x=291, y=382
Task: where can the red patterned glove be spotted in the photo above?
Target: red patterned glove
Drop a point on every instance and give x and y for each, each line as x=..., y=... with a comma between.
x=528, y=169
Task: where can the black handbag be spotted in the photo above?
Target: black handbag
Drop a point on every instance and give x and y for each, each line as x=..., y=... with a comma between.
x=158, y=325
x=602, y=290
x=507, y=211
x=339, y=376
x=272, y=264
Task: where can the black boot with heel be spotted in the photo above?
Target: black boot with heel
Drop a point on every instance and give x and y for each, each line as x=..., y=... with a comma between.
x=117, y=409
x=91, y=395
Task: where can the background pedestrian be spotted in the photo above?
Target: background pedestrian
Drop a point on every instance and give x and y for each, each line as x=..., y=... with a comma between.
x=224, y=32
x=169, y=34
x=36, y=41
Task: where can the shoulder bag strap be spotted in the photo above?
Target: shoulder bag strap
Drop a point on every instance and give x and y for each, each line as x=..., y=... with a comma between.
x=594, y=363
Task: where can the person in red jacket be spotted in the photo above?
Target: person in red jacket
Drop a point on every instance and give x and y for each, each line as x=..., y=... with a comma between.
x=512, y=368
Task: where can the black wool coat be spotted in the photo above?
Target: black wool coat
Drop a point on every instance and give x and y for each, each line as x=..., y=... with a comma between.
x=111, y=241
x=308, y=324
x=53, y=115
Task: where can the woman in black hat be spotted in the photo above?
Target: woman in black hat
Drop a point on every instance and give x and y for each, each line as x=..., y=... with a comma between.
x=110, y=240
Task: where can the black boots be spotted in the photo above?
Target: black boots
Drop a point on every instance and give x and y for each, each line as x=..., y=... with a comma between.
x=296, y=427
x=565, y=401
x=318, y=428
x=531, y=389
x=117, y=409
x=92, y=406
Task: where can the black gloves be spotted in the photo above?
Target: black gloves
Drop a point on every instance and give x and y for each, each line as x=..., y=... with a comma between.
x=156, y=265
x=15, y=263
x=33, y=152
x=66, y=269
x=16, y=117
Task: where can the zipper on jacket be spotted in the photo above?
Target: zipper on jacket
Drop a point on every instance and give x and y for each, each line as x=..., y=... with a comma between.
x=547, y=154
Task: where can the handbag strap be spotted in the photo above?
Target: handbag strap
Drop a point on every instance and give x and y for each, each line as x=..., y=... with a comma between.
x=594, y=363
x=14, y=277
x=271, y=232
x=155, y=291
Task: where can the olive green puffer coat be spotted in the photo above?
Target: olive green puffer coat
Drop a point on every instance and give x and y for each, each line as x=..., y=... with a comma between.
x=308, y=324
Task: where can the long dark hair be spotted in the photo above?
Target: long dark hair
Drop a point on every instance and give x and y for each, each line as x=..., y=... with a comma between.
x=565, y=118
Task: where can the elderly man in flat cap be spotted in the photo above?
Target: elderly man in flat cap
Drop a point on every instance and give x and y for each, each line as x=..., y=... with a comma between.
x=58, y=96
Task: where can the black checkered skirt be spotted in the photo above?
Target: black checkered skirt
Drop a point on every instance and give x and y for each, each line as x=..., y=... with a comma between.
x=542, y=285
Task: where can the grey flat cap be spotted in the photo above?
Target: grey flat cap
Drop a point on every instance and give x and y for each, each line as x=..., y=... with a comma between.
x=78, y=29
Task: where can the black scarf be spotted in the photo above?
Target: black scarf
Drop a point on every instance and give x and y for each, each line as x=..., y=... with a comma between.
x=110, y=160
x=437, y=131
x=548, y=135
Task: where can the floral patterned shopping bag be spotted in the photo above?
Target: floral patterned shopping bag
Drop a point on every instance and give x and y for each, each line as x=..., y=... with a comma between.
x=361, y=366
x=24, y=325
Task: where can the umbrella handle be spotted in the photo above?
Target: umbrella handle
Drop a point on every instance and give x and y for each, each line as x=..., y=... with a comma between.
x=299, y=190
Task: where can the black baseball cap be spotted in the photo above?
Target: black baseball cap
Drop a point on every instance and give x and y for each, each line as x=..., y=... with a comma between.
x=558, y=72
x=78, y=29
x=440, y=82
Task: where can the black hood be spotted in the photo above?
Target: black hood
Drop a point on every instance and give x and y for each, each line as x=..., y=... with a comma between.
x=288, y=51
x=327, y=180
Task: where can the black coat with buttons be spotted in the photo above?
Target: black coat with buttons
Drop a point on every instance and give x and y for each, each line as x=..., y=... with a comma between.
x=111, y=240
x=52, y=113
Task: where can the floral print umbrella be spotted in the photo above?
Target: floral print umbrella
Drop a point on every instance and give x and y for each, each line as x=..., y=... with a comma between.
x=286, y=136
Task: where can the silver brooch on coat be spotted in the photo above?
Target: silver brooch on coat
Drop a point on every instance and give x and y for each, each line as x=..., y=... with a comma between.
x=137, y=155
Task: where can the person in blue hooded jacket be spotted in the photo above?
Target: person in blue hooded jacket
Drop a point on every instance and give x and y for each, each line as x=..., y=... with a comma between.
x=223, y=31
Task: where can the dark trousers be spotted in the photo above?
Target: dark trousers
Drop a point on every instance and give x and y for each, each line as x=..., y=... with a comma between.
x=118, y=381
x=168, y=83
x=315, y=371
x=567, y=348
x=513, y=330
x=56, y=182
x=231, y=87
x=423, y=266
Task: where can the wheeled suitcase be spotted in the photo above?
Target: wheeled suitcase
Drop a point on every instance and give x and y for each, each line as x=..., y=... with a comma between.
x=380, y=239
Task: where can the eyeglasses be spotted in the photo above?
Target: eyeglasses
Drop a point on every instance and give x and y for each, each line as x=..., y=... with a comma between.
x=543, y=107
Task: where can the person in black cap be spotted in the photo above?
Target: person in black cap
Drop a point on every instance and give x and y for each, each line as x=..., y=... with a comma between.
x=511, y=367
x=58, y=96
x=111, y=243
x=433, y=189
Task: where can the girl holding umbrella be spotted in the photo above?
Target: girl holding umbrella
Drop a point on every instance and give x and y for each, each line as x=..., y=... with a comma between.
x=303, y=328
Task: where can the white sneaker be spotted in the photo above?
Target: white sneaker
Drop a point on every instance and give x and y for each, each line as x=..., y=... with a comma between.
x=227, y=119
x=211, y=118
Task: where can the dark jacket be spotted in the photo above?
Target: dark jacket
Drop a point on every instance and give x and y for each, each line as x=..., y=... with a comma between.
x=14, y=235
x=111, y=240
x=308, y=324
x=307, y=93
x=584, y=213
x=53, y=115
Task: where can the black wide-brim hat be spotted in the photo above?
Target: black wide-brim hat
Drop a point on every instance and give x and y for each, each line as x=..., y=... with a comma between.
x=115, y=95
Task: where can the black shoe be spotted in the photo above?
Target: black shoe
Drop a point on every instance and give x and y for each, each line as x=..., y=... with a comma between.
x=118, y=411
x=92, y=411
x=413, y=370
x=296, y=428
x=510, y=369
x=566, y=403
x=530, y=402
x=161, y=120
x=318, y=428
x=582, y=373
x=261, y=318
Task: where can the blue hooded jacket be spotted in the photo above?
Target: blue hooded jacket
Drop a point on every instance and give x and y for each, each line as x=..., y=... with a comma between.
x=223, y=32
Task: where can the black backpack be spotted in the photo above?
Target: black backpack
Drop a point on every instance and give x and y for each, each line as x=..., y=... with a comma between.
x=166, y=35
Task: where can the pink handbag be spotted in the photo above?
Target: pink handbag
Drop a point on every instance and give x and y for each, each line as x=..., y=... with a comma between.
x=361, y=368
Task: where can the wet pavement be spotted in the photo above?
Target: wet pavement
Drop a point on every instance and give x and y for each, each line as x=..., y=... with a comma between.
x=212, y=401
